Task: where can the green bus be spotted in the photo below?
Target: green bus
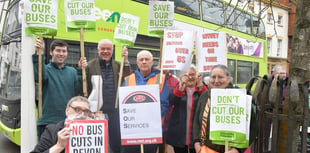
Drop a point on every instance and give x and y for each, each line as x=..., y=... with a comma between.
x=239, y=25
x=10, y=71
x=216, y=15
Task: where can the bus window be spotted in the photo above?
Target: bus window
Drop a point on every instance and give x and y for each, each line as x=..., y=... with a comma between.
x=230, y=17
x=231, y=64
x=143, y=1
x=256, y=68
x=14, y=84
x=244, y=72
x=213, y=12
x=258, y=28
x=243, y=22
x=12, y=27
x=188, y=7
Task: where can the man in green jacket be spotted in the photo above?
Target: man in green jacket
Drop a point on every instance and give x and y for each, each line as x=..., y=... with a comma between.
x=60, y=82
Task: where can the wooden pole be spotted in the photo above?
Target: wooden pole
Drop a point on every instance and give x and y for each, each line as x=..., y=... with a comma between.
x=39, y=51
x=119, y=81
x=226, y=146
x=164, y=146
x=82, y=56
x=193, y=52
x=161, y=60
x=141, y=147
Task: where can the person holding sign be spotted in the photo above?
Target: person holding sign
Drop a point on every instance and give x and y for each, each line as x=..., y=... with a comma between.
x=56, y=136
x=185, y=99
x=60, y=83
x=220, y=78
x=146, y=75
x=108, y=69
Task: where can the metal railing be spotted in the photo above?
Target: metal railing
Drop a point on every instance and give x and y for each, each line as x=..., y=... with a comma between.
x=282, y=113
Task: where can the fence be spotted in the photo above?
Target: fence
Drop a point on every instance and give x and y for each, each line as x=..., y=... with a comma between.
x=282, y=113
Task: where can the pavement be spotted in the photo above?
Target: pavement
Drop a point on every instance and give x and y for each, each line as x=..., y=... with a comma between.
x=7, y=146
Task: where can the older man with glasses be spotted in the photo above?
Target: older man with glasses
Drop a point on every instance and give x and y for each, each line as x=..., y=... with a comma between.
x=55, y=136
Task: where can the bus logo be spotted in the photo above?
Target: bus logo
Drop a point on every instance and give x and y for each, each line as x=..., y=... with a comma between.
x=139, y=98
x=107, y=15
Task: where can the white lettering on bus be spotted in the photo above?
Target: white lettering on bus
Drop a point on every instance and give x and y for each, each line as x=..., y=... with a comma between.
x=106, y=15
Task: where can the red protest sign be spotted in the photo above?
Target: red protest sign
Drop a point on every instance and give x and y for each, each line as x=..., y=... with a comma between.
x=88, y=136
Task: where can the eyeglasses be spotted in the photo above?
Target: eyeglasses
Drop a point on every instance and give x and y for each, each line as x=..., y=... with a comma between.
x=86, y=112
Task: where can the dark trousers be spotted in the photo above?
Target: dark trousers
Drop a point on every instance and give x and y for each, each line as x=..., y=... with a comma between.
x=114, y=131
x=150, y=148
x=40, y=130
x=184, y=149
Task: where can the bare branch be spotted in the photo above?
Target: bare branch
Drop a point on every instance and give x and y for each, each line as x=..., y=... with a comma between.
x=274, y=22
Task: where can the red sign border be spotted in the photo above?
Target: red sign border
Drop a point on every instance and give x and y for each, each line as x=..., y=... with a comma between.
x=105, y=122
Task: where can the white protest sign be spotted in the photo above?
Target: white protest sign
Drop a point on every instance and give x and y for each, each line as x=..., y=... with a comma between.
x=140, y=117
x=41, y=17
x=228, y=115
x=211, y=50
x=245, y=143
x=80, y=14
x=178, y=47
x=127, y=29
x=87, y=136
x=160, y=17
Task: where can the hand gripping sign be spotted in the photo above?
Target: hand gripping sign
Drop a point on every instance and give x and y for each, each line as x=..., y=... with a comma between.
x=87, y=136
x=125, y=34
x=41, y=19
x=80, y=16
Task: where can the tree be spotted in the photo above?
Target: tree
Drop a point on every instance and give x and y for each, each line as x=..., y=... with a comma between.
x=300, y=64
x=299, y=73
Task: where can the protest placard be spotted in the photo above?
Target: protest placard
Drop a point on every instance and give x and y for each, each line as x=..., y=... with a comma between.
x=41, y=20
x=125, y=33
x=80, y=17
x=127, y=29
x=177, y=49
x=160, y=17
x=80, y=14
x=245, y=143
x=41, y=17
x=87, y=136
x=228, y=115
x=140, y=117
x=211, y=50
